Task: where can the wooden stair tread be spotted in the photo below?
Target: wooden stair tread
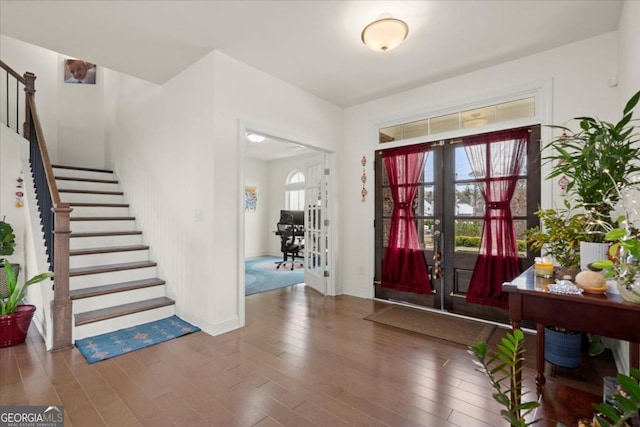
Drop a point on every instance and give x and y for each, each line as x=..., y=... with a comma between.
x=114, y=287
x=108, y=249
x=102, y=218
x=121, y=310
x=113, y=193
x=97, y=269
x=99, y=205
x=78, y=168
x=94, y=180
x=105, y=233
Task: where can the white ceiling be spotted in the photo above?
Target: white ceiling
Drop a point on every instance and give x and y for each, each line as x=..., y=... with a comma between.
x=314, y=45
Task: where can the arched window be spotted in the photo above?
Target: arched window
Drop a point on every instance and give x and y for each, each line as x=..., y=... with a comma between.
x=294, y=191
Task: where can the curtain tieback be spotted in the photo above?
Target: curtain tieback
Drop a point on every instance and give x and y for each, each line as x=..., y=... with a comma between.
x=403, y=205
x=498, y=205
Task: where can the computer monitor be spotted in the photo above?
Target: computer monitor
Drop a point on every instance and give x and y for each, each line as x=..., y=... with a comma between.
x=298, y=216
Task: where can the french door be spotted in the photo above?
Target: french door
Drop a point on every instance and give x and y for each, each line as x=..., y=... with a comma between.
x=316, y=224
x=449, y=216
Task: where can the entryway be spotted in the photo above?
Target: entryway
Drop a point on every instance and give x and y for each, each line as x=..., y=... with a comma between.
x=448, y=211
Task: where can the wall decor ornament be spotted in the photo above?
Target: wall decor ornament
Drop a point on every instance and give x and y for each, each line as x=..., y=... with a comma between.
x=250, y=199
x=363, y=178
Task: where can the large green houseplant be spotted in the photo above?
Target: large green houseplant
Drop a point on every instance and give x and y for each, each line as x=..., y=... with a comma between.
x=503, y=367
x=7, y=248
x=598, y=160
x=15, y=317
x=558, y=235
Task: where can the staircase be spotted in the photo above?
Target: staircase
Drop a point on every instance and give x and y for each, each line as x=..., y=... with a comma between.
x=112, y=282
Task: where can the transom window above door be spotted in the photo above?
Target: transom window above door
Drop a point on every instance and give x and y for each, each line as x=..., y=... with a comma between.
x=477, y=117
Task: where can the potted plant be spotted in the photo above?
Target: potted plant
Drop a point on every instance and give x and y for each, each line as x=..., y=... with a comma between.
x=7, y=247
x=559, y=237
x=505, y=364
x=15, y=317
x=623, y=263
x=598, y=161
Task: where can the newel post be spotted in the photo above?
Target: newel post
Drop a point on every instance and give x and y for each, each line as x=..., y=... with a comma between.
x=29, y=88
x=61, y=304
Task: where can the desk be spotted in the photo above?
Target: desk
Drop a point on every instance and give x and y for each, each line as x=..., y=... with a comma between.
x=606, y=315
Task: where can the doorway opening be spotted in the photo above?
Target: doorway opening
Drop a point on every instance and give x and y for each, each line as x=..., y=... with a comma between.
x=448, y=210
x=283, y=176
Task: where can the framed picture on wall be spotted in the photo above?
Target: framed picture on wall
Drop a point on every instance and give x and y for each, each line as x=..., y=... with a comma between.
x=250, y=199
x=79, y=71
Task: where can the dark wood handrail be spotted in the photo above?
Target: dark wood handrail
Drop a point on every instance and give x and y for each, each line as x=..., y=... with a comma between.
x=54, y=214
x=48, y=170
x=11, y=71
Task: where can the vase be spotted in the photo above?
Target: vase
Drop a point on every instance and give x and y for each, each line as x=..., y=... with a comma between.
x=631, y=292
x=14, y=326
x=591, y=252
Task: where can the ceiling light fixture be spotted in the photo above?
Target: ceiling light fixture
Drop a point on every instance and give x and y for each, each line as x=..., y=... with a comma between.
x=257, y=139
x=475, y=121
x=384, y=34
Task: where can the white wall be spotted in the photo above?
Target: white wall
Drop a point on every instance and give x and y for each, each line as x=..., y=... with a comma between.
x=72, y=116
x=11, y=146
x=629, y=53
x=177, y=151
x=256, y=224
x=579, y=87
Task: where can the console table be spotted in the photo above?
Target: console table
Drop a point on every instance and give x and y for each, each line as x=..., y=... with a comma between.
x=606, y=315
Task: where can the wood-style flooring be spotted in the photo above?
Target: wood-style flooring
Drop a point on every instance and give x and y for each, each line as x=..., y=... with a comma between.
x=302, y=360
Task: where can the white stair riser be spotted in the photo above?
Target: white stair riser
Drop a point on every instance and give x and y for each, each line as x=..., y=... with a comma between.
x=89, y=226
x=84, y=185
x=110, y=325
x=111, y=300
x=89, y=280
x=104, y=241
x=91, y=198
x=82, y=174
x=99, y=211
x=76, y=261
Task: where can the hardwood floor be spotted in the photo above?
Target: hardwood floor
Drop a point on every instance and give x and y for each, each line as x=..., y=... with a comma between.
x=301, y=360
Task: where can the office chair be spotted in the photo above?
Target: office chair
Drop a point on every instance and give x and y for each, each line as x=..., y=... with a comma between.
x=288, y=245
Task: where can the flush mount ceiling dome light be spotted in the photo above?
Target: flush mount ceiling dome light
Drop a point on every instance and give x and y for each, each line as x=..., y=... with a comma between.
x=384, y=34
x=257, y=139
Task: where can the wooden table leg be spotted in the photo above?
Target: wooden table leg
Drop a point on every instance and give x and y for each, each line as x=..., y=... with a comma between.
x=634, y=355
x=540, y=379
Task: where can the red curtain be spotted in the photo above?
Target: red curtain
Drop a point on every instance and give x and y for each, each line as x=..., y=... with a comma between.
x=403, y=266
x=496, y=159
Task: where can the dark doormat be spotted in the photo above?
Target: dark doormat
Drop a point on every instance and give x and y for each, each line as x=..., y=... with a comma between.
x=442, y=326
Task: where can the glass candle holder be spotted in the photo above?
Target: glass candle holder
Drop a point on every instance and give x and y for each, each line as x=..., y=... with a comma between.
x=543, y=267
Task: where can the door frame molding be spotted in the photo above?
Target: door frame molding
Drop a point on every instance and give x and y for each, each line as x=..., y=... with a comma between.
x=245, y=126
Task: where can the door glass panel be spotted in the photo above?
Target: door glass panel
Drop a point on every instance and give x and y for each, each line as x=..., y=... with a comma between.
x=469, y=200
x=428, y=169
x=520, y=225
x=519, y=199
x=427, y=237
x=428, y=201
x=387, y=202
x=463, y=167
x=468, y=234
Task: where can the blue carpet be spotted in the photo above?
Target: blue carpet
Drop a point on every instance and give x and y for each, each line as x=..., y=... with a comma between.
x=261, y=275
x=112, y=344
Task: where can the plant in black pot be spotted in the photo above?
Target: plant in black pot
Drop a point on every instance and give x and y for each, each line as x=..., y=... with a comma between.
x=559, y=237
x=15, y=317
x=7, y=248
x=598, y=161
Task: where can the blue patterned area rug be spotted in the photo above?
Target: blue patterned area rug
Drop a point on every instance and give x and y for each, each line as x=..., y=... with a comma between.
x=112, y=344
x=261, y=275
